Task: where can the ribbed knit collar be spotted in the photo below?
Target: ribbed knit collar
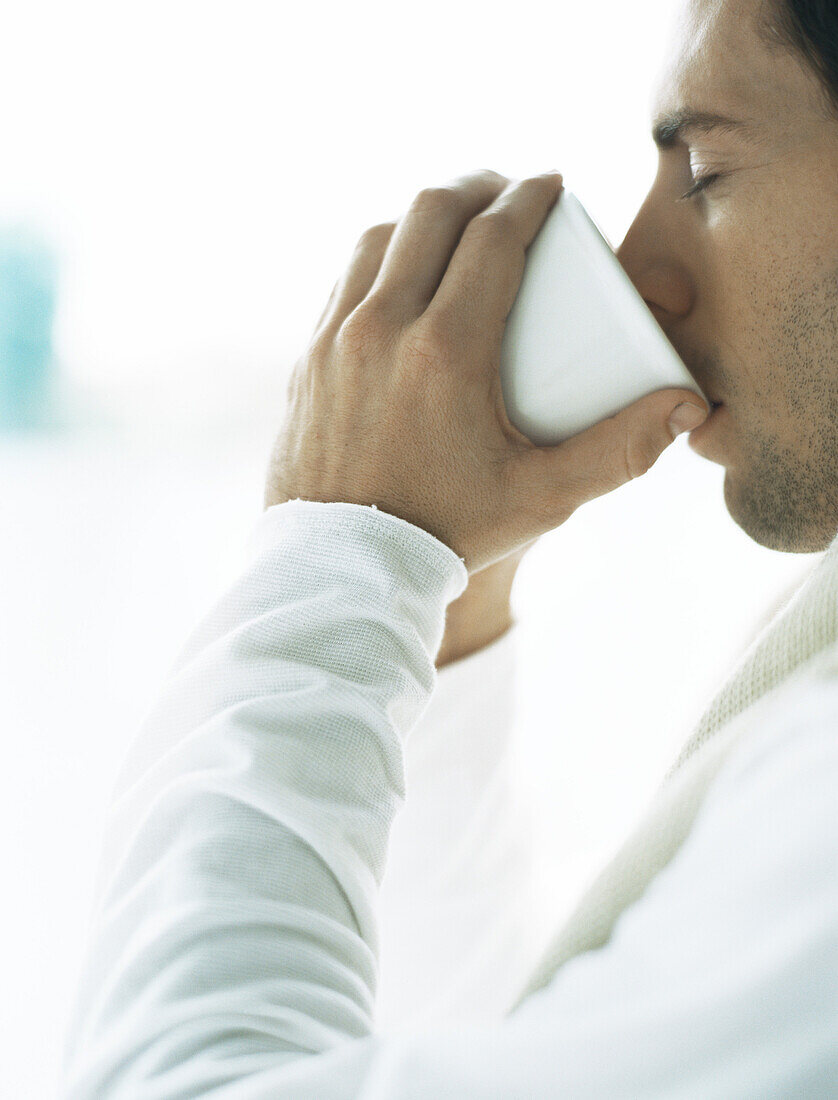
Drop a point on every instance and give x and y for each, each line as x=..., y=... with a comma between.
x=805, y=627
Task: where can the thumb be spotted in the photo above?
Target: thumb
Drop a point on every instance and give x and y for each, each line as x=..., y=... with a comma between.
x=612, y=452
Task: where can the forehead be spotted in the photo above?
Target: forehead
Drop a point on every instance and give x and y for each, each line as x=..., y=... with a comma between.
x=715, y=60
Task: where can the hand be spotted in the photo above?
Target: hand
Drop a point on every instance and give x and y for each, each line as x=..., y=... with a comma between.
x=397, y=401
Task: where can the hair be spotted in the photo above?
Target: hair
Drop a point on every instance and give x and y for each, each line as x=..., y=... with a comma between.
x=807, y=29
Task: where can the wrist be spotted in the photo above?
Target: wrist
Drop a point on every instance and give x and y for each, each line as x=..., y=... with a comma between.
x=482, y=614
x=456, y=647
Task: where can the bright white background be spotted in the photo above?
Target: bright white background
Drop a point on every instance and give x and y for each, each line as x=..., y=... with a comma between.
x=205, y=170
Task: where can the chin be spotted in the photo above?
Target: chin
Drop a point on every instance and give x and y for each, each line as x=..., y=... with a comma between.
x=768, y=527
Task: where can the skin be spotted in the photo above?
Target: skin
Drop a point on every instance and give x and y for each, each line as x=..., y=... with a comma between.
x=743, y=279
x=405, y=358
x=483, y=613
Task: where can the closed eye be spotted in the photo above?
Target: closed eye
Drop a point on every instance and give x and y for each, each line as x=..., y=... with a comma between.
x=701, y=184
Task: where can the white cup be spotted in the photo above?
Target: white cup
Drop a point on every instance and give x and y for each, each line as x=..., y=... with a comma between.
x=580, y=344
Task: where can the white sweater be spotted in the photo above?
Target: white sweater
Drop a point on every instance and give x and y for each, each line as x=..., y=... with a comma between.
x=234, y=944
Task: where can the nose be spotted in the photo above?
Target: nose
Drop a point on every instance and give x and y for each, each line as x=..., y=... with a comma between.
x=653, y=258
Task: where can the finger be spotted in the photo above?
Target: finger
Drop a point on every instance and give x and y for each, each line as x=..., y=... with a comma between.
x=479, y=288
x=556, y=480
x=426, y=237
x=355, y=283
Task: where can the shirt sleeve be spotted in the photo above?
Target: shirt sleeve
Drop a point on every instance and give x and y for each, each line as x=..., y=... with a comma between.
x=233, y=952
x=234, y=922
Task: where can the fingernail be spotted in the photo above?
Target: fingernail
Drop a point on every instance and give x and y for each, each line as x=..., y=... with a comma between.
x=685, y=417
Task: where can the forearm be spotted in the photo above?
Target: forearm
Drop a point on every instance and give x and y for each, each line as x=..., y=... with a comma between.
x=482, y=614
x=236, y=924
x=483, y=633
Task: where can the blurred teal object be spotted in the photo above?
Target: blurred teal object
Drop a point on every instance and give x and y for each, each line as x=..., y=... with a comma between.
x=28, y=291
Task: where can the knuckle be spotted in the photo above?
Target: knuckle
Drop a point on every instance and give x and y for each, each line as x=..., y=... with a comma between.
x=539, y=508
x=430, y=340
x=318, y=350
x=377, y=234
x=484, y=176
x=436, y=200
x=493, y=225
x=496, y=176
x=538, y=183
x=639, y=456
x=366, y=324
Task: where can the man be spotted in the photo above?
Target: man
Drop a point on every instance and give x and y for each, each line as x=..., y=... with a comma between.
x=234, y=951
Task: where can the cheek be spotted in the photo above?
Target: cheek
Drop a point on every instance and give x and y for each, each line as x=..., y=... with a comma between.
x=778, y=241
x=752, y=265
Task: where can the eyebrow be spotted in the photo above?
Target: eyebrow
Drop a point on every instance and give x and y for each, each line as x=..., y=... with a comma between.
x=668, y=130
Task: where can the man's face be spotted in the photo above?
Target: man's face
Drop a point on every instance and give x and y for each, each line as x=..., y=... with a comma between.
x=743, y=277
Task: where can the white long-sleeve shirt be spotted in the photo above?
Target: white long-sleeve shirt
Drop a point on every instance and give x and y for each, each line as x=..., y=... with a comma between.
x=233, y=952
